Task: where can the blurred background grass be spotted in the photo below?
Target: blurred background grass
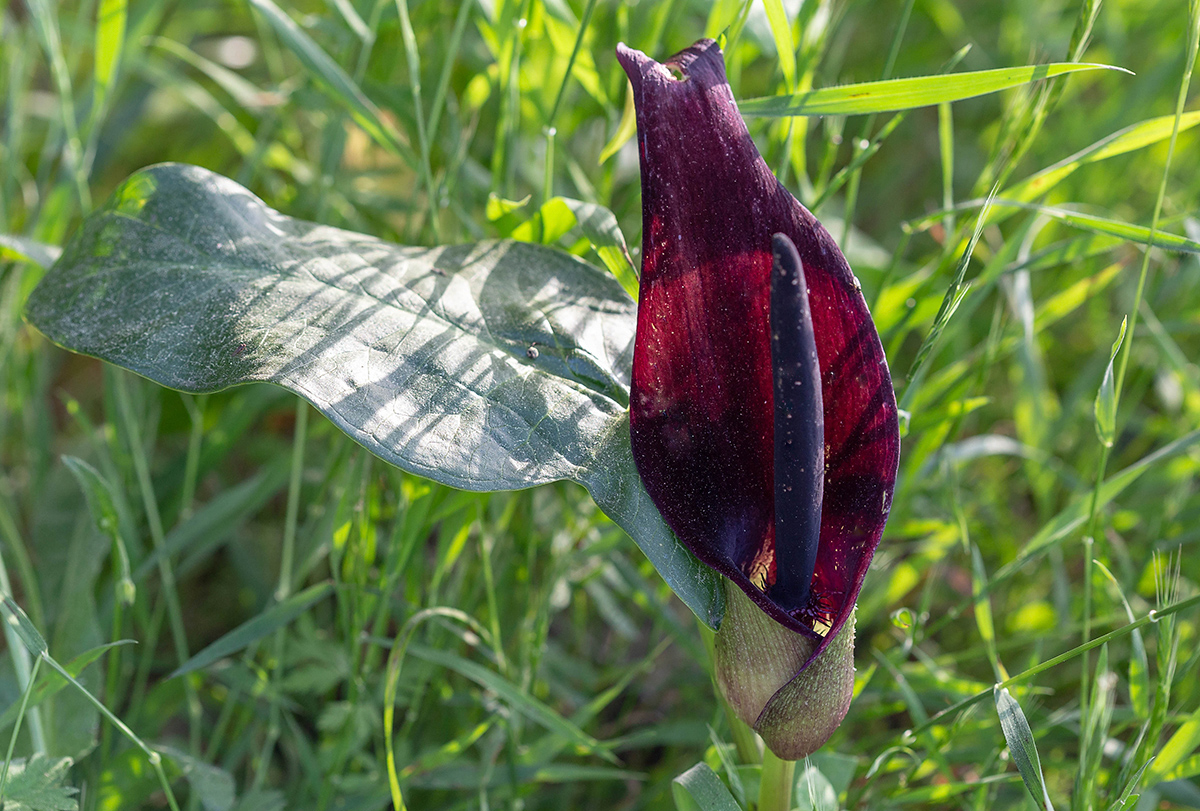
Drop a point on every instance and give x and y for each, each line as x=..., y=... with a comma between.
x=410, y=140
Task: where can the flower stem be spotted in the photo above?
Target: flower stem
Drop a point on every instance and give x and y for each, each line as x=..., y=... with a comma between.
x=744, y=738
x=775, y=789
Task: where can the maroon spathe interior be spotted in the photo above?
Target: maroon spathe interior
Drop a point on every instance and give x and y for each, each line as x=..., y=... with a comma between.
x=701, y=412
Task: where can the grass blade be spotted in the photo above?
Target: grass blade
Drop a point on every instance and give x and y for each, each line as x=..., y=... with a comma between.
x=30, y=637
x=23, y=249
x=699, y=789
x=277, y=616
x=781, y=30
x=335, y=81
x=110, y=43
x=1130, y=138
x=625, y=129
x=1021, y=745
x=893, y=95
x=518, y=699
x=1105, y=408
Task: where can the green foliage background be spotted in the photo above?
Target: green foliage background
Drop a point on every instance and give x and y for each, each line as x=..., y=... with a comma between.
x=578, y=680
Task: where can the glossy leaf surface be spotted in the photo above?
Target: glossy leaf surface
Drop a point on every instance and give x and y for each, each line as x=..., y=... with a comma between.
x=422, y=355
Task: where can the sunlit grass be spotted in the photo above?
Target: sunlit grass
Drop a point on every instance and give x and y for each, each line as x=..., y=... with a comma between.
x=547, y=665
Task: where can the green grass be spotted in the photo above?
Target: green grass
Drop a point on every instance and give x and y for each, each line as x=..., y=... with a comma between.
x=533, y=658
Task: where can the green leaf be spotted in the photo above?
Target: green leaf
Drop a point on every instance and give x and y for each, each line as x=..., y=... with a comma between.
x=258, y=800
x=516, y=697
x=1105, y=225
x=24, y=628
x=473, y=778
x=24, y=249
x=1127, y=799
x=1139, y=676
x=699, y=789
x=49, y=682
x=814, y=791
x=212, y=524
x=1074, y=514
x=110, y=42
x=214, y=786
x=1106, y=398
x=781, y=30
x=335, y=81
x=256, y=628
x=419, y=354
x=891, y=95
x=983, y=612
x=101, y=502
x=1130, y=138
x=245, y=93
x=1020, y=743
x=599, y=226
x=625, y=129
x=1179, y=747
x=37, y=785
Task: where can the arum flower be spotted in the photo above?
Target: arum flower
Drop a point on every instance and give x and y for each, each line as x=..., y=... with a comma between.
x=762, y=415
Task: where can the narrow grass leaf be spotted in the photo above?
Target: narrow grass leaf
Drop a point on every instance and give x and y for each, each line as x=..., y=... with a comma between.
x=214, y=786
x=449, y=752
x=266, y=623
x=1022, y=747
x=781, y=31
x=101, y=502
x=335, y=81
x=395, y=661
x=1096, y=726
x=110, y=44
x=24, y=249
x=1139, y=676
x=983, y=612
x=514, y=696
x=955, y=294
x=49, y=682
x=1179, y=747
x=625, y=129
x=1133, y=137
x=474, y=778
x=1105, y=408
x=245, y=93
x=1105, y=225
x=20, y=623
x=721, y=15
x=699, y=789
x=736, y=787
x=935, y=795
x=1078, y=510
x=1064, y=302
x=213, y=523
x=892, y=95
x=1127, y=799
x=1139, y=663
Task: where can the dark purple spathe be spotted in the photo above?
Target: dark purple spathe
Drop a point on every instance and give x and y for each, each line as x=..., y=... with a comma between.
x=702, y=406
